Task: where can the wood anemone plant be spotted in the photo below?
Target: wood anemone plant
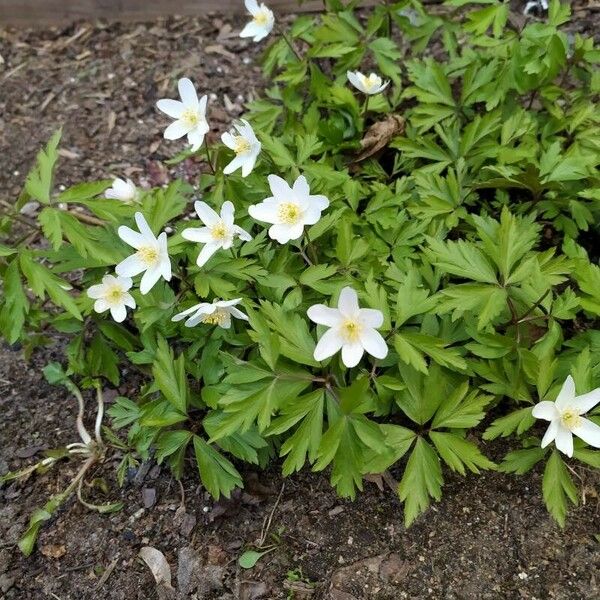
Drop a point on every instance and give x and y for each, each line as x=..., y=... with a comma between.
x=91, y=448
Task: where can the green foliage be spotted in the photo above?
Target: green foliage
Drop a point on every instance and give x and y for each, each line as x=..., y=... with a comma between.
x=473, y=229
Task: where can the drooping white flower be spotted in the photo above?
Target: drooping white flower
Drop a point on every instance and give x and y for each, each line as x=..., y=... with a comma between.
x=565, y=416
x=123, y=190
x=289, y=209
x=373, y=84
x=245, y=145
x=352, y=329
x=189, y=115
x=112, y=294
x=151, y=258
x=262, y=21
x=219, y=232
x=218, y=313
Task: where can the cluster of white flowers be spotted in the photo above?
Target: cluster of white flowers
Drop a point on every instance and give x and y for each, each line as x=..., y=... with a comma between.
x=351, y=329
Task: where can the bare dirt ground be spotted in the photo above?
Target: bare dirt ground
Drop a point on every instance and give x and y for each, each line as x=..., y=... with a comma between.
x=490, y=537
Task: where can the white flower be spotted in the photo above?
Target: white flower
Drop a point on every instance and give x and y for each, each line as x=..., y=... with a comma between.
x=189, y=115
x=112, y=294
x=565, y=418
x=246, y=148
x=370, y=85
x=122, y=189
x=220, y=230
x=288, y=209
x=218, y=313
x=151, y=258
x=351, y=328
x=262, y=21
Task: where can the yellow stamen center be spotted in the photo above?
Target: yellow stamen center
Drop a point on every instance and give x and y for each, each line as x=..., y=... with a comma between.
x=148, y=255
x=261, y=18
x=216, y=318
x=190, y=117
x=371, y=81
x=570, y=419
x=115, y=294
x=241, y=145
x=351, y=330
x=219, y=231
x=289, y=213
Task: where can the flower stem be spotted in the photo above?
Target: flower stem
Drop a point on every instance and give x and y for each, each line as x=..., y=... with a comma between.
x=288, y=42
x=209, y=159
x=310, y=248
x=365, y=107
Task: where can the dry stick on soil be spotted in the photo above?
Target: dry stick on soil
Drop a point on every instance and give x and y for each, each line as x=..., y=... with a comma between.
x=267, y=522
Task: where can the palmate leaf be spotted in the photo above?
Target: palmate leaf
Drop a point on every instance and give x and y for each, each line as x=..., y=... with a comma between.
x=459, y=453
x=485, y=301
x=558, y=488
x=217, y=473
x=170, y=377
x=412, y=345
x=462, y=259
x=463, y=409
x=521, y=461
x=39, y=181
x=421, y=481
x=42, y=281
x=15, y=304
x=518, y=421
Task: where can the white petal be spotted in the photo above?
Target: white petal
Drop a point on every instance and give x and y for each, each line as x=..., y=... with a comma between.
x=143, y=226
x=252, y=30
x=311, y=215
x=265, y=211
x=128, y=300
x=119, y=313
x=351, y=354
x=545, y=410
x=328, y=345
x=149, y=279
x=279, y=187
x=242, y=233
x=207, y=215
x=206, y=253
x=373, y=342
x=249, y=163
x=238, y=314
x=354, y=80
x=165, y=268
x=589, y=432
x=131, y=266
x=96, y=291
x=100, y=305
x=371, y=317
x=251, y=6
x=564, y=441
x=195, y=139
x=235, y=164
x=227, y=213
x=172, y=108
x=227, y=303
x=587, y=401
x=280, y=233
x=566, y=394
x=323, y=315
x=201, y=235
x=550, y=433
x=187, y=91
x=348, y=302
x=131, y=237
x=192, y=309
x=301, y=189
x=228, y=139
x=176, y=130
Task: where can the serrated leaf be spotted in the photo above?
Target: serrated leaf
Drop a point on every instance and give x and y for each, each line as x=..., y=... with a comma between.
x=558, y=488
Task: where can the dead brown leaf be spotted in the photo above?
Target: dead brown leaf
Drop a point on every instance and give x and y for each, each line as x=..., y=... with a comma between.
x=53, y=550
x=379, y=135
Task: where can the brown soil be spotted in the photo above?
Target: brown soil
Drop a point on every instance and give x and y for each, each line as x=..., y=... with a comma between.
x=489, y=538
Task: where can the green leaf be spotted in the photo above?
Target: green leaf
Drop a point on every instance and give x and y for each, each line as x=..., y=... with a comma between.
x=462, y=259
x=249, y=558
x=15, y=306
x=518, y=421
x=463, y=409
x=459, y=453
x=39, y=181
x=218, y=475
x=169, y=375
x=521, y=461
x=558, y=488
x=422, y=480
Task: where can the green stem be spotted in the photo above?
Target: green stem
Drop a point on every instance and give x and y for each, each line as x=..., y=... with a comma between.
x=288, y=42
x=209, y=159
x=365, y=107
